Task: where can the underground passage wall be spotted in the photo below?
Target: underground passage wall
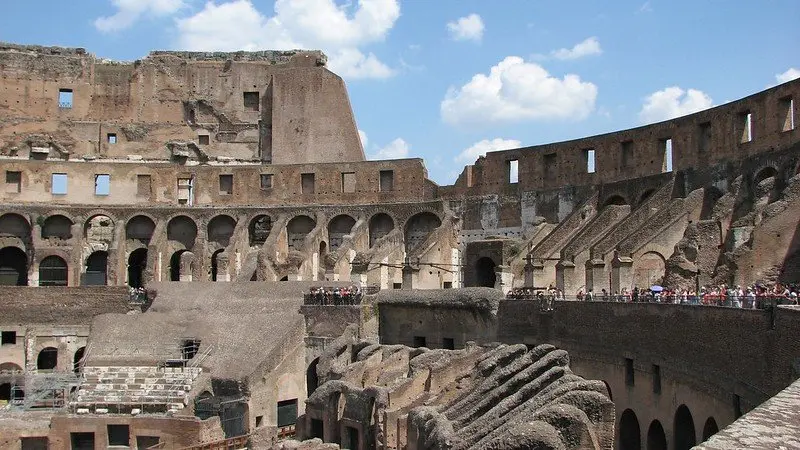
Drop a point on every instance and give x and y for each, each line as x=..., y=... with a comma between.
x=689, y=370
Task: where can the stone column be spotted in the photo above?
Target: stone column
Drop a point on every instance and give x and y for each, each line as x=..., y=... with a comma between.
x=408, y=276
x=528, y=270
x=565, y=274
x=621, y=273
x=504, y=279
x=596, y=277
x=186, y=266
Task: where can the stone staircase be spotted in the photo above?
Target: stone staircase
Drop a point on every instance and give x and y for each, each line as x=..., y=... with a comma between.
x=157, y=387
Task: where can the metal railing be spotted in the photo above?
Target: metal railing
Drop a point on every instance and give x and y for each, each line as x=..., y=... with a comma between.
x=744, y=302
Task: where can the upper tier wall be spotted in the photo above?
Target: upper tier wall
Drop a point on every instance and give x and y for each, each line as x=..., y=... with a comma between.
x=705, y=138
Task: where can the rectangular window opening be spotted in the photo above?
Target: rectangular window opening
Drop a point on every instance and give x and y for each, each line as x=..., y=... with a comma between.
x=226, y=184
x=8, y=338
x=143, y=183
x=352, y=438
x=551, y=166
x=204, y=139
x=512, y=171
x=59, y=184
x=259, y=421
x=65, y=98
x=386, y=180
x=745, y=127
x=34, y=443
x=251, y=101
x=317, y=428
x=448, y=285
x=656, y=379
x=119, y=435
x=82, y=441
x=111, y=138
x=589, y=157
x=266, y=181
x=666, y=165
x=348, y=182
x=420, y=341
x=397, y=285
x=185, y=194
x=102, y=184
x=626, y=151
x=448, y=344
x=287, y=412
x=189, y=348
x=629, y=376
x=13, y=182
x=786, y=113
x=307, y=183
x=703, y=137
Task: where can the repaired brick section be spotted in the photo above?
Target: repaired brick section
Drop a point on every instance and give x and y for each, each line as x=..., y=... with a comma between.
x=61, y=305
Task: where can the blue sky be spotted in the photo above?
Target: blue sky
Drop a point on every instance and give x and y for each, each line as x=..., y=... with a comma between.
x=447, y=80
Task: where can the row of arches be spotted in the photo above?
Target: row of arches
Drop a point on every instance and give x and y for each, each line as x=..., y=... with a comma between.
x=684, y=435
x=53, y=269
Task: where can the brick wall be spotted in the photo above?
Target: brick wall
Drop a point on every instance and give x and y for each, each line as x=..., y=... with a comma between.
x=60, y=305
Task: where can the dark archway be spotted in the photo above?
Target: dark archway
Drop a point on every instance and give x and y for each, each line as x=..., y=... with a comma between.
x=630, y=437
x=53, y=272
x=13, y=267
x=656, y=439
x=57, y=227
x=5, y=392
x=96, y=269
x=140, y=228
x=312, y=379
x=339, y=227
x=764, y=173
x=684, y=436
x=380, y=225
x=183, y=230
x=617, y=200
x=646, y=195
x=47, y=359
x=711, y=196
x=215, y=264
x=259, y=230
x=76, y=360
x=297, y=229
x=175, y=265
x=419, y=227
x=485, y=274
x=220, y=230
x=137, y=264
x=285, y=278
x=710, y=428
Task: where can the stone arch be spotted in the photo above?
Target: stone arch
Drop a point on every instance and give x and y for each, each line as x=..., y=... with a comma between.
x=339, y=227
x=176, y=263
x=418, y=227
x=259, y=230
x=182, y=230
x=47, y=359
x=616, y=200
x=683, y=434
x=646, y=195
x=312, y=378
x=380, y=225
x=220, y=230
x=15, y=231
x=297, y=229
x=630, y=435
x=96, y=269
x=215, y=264
x=656, y=439
x=53, y=271
x=764, y=173
x=710, y=428
x=711, y=196
x=77, y=359
x=13, y=267
x=137, y=264
x=57, y=226
x=10, y=368
x=648, y=269
x=99, y=231
x=485, y=274
x=140, y=228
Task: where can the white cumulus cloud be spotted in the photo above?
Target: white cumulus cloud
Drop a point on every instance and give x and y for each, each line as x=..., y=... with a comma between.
x=129, y=11
x=590, y=46
x=789, y=75
x=307, y=24
x=469, y=28
x=396, y=149
x=480, y=148
x=515, y=90
x=673, y=102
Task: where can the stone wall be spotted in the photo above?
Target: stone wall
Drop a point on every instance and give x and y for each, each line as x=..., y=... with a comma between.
x=60, y=305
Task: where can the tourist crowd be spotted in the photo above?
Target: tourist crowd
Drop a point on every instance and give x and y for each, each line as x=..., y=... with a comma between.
x=333, y=296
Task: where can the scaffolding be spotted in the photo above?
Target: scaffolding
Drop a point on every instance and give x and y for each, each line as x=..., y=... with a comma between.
x=45, y=389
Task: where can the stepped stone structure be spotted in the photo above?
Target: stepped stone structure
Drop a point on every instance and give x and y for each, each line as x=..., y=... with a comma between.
x=161, y=221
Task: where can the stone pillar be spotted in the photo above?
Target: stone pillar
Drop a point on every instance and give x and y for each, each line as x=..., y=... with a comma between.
x=528, y=271
x=504, y=279
x=621, y=273
x=223, y=267
x=596, y=277
x=408, y=276
x=565, y=274
x=186, y=266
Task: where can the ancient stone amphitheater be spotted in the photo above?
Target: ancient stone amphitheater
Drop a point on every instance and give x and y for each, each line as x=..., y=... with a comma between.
x=166, y=225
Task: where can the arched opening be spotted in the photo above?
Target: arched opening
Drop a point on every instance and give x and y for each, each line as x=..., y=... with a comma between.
x=13, y=267
x=99, y=229
x=648, y=269
x=175, y=265
x=711, y=196
x=656, y=439
x=684, y=436
x=259, y=230
x=617, y=200
x=76, y=360
x=14, y=225
x=53, y=271
x=646, y=195
x=763, y=174
x=339, y=227
x=312, y=379
x=183, y=230
x=5, y=392
x=710, y=428
x=297, y=229
x=630, y=437
x=57, y=227
x=215, y=264
x=419, y=227
x=220, y=230
x=380, y=225
x=485, y=272
x=96, y=269
x=47, y=359
x=140, y=228
x=137, y=263
x=285, y=278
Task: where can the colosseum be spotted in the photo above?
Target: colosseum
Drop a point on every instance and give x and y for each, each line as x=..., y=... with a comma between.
x=195, y=253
